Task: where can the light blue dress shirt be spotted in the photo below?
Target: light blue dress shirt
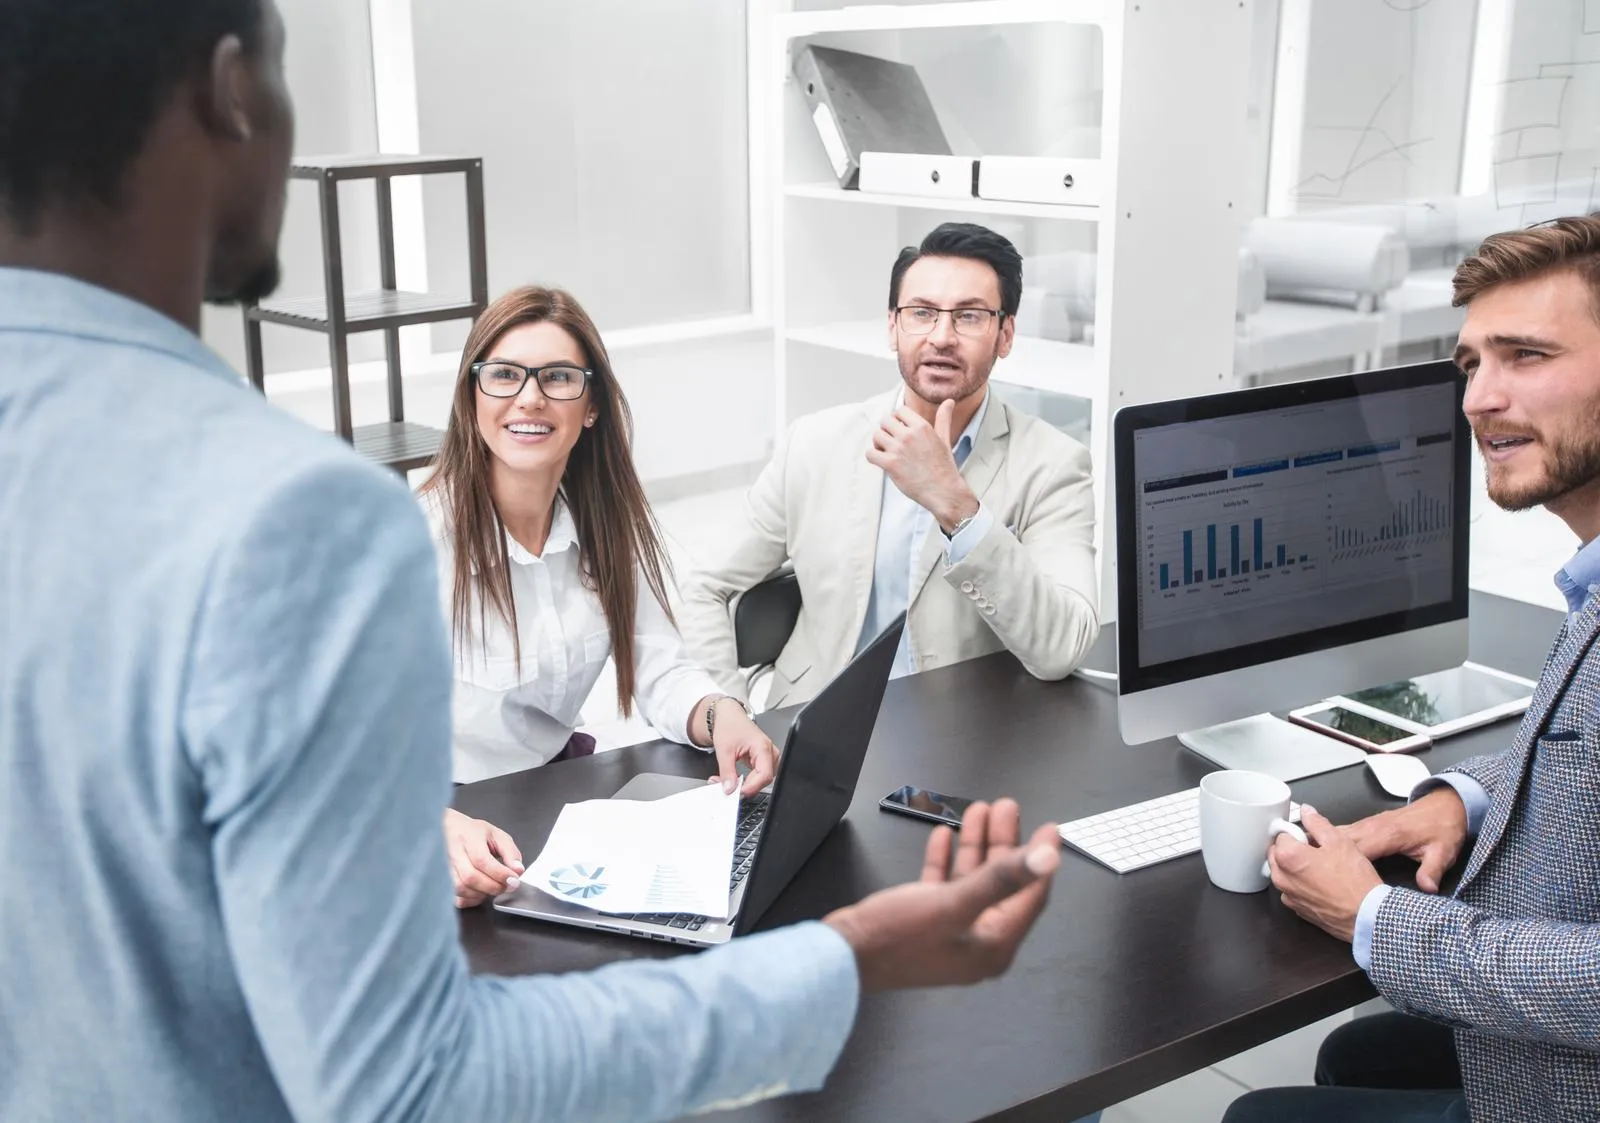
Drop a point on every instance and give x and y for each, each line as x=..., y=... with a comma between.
x=224, y=754
x=903, y=526
x=1578, y=580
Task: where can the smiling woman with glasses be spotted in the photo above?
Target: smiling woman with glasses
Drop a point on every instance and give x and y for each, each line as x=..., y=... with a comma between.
x=550, y=564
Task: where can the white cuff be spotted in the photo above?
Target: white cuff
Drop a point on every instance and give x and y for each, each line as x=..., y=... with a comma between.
x=956, y=549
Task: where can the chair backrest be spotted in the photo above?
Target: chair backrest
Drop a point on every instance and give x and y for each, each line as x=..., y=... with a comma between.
x=764, y=618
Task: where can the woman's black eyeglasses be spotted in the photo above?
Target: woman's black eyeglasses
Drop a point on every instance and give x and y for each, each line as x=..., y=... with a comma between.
x=557, y=381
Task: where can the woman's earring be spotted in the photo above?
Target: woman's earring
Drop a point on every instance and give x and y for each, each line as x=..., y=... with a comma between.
x=588, y=423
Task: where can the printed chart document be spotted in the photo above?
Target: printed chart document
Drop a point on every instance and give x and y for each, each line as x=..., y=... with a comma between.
x=663, y=855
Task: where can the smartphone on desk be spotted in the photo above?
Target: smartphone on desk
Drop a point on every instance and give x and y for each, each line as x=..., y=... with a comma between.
x=921, y=803
x=1361, y=730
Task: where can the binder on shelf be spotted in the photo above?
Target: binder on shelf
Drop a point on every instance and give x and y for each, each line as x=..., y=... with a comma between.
x=919, y=173
x=1070, y=180
x=860, y=103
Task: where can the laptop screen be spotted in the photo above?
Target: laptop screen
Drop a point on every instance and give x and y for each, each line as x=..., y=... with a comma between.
x=822, y=758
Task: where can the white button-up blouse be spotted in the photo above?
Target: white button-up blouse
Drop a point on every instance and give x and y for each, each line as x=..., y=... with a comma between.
x=504, y=719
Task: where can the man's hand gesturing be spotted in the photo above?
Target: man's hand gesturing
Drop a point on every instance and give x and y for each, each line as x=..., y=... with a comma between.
x=964, y=920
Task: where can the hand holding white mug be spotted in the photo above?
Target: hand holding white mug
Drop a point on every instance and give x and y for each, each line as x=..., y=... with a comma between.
x=1274, y=829
x=1327, y=882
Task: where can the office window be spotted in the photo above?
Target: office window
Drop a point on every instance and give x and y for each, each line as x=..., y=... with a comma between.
x=1370, y=102
x=1533, y=142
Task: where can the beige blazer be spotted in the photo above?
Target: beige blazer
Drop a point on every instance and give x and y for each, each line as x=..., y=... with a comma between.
x=1028, y=586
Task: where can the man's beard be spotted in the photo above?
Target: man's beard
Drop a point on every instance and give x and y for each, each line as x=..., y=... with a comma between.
x=973, y=377
x=1571, y=462
x=253, y=287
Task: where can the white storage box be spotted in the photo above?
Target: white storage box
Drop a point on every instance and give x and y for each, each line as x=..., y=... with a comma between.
x=913, y=173
x=1040, y=179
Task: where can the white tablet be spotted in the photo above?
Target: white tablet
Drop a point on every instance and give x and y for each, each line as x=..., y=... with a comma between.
x=1446, y=702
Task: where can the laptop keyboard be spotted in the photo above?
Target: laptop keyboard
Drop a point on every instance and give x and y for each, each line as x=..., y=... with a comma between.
x=745, y=837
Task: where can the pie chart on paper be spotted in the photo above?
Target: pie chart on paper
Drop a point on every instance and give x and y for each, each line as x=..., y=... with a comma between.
x=579, y=882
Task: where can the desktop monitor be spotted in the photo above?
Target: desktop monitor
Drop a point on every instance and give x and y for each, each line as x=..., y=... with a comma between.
x=1281, y=544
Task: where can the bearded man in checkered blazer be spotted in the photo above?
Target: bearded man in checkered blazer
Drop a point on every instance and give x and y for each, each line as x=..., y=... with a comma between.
x=1510, y=962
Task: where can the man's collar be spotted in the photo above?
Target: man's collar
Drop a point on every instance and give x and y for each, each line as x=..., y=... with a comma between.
x=1580, y=575
x=54, y=303
x=970, y=433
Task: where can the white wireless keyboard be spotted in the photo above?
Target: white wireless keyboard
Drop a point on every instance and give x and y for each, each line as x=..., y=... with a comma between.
x=1142, y=834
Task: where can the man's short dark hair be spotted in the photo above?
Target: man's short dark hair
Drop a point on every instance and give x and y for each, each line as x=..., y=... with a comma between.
x=83, y=81
x=969, y=240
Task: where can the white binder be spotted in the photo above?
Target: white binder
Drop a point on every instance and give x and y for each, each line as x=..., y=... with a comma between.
x=916, y=173
x=1040, y=179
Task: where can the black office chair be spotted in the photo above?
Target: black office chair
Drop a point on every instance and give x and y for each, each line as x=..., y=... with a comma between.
x=763, y=620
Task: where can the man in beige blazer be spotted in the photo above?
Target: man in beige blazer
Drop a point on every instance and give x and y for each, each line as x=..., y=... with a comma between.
x=937, y=499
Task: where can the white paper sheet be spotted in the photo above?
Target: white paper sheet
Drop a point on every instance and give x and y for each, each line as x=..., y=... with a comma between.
x=663, y=855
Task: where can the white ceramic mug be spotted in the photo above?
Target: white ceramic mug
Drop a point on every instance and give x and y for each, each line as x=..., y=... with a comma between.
x=1240, y=814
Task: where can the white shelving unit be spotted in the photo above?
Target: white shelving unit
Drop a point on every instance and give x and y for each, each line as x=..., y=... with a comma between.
x=1017, y=77
x=833, y=193
x=975, y=13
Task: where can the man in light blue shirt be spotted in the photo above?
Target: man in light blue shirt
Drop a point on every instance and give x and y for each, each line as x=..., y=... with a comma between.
x=224, y=687
x=1499, y=1017
x=903, y=527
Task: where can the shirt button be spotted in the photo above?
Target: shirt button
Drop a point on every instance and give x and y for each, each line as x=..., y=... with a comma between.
x=988, y=610
x=966, y=586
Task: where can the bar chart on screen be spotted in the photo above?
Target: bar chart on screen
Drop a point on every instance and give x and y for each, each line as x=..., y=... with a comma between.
x=1236, y=536
x=1234, y=549
x=1416, y=521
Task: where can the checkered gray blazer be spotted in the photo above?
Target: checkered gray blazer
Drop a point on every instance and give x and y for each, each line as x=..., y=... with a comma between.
x=1512, y=960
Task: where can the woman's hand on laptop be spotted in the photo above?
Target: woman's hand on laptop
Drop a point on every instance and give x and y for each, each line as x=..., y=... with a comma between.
x=964, y=920
x=737, y=738
x=484, y=861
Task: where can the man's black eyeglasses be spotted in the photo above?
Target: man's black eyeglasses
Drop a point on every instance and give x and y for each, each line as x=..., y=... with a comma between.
x=921, y=319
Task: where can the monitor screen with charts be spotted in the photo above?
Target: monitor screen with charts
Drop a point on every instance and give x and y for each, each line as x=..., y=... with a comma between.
x=1281, y=544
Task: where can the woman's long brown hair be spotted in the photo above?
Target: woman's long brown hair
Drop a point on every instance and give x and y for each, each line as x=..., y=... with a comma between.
x=617, y=535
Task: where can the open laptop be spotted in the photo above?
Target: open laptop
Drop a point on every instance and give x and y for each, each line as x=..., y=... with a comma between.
x=778, y=831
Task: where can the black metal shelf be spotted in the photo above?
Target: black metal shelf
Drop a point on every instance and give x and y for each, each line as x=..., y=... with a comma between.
x=375, y=166
x=400, y=444
x=372, y=310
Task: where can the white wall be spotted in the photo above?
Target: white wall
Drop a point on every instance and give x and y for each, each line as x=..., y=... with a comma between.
x=1258, y=114
x=329, y=65
x=613, y=139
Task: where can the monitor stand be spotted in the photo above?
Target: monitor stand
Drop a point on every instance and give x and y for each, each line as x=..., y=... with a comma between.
x=1279, y=748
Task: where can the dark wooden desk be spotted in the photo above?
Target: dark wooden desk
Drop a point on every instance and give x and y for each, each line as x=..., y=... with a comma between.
x=1127, y=982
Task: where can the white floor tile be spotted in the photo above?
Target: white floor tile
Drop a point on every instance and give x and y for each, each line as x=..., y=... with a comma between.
x=1291, y=1059
x=1522, y=582
x=1200, y=1097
